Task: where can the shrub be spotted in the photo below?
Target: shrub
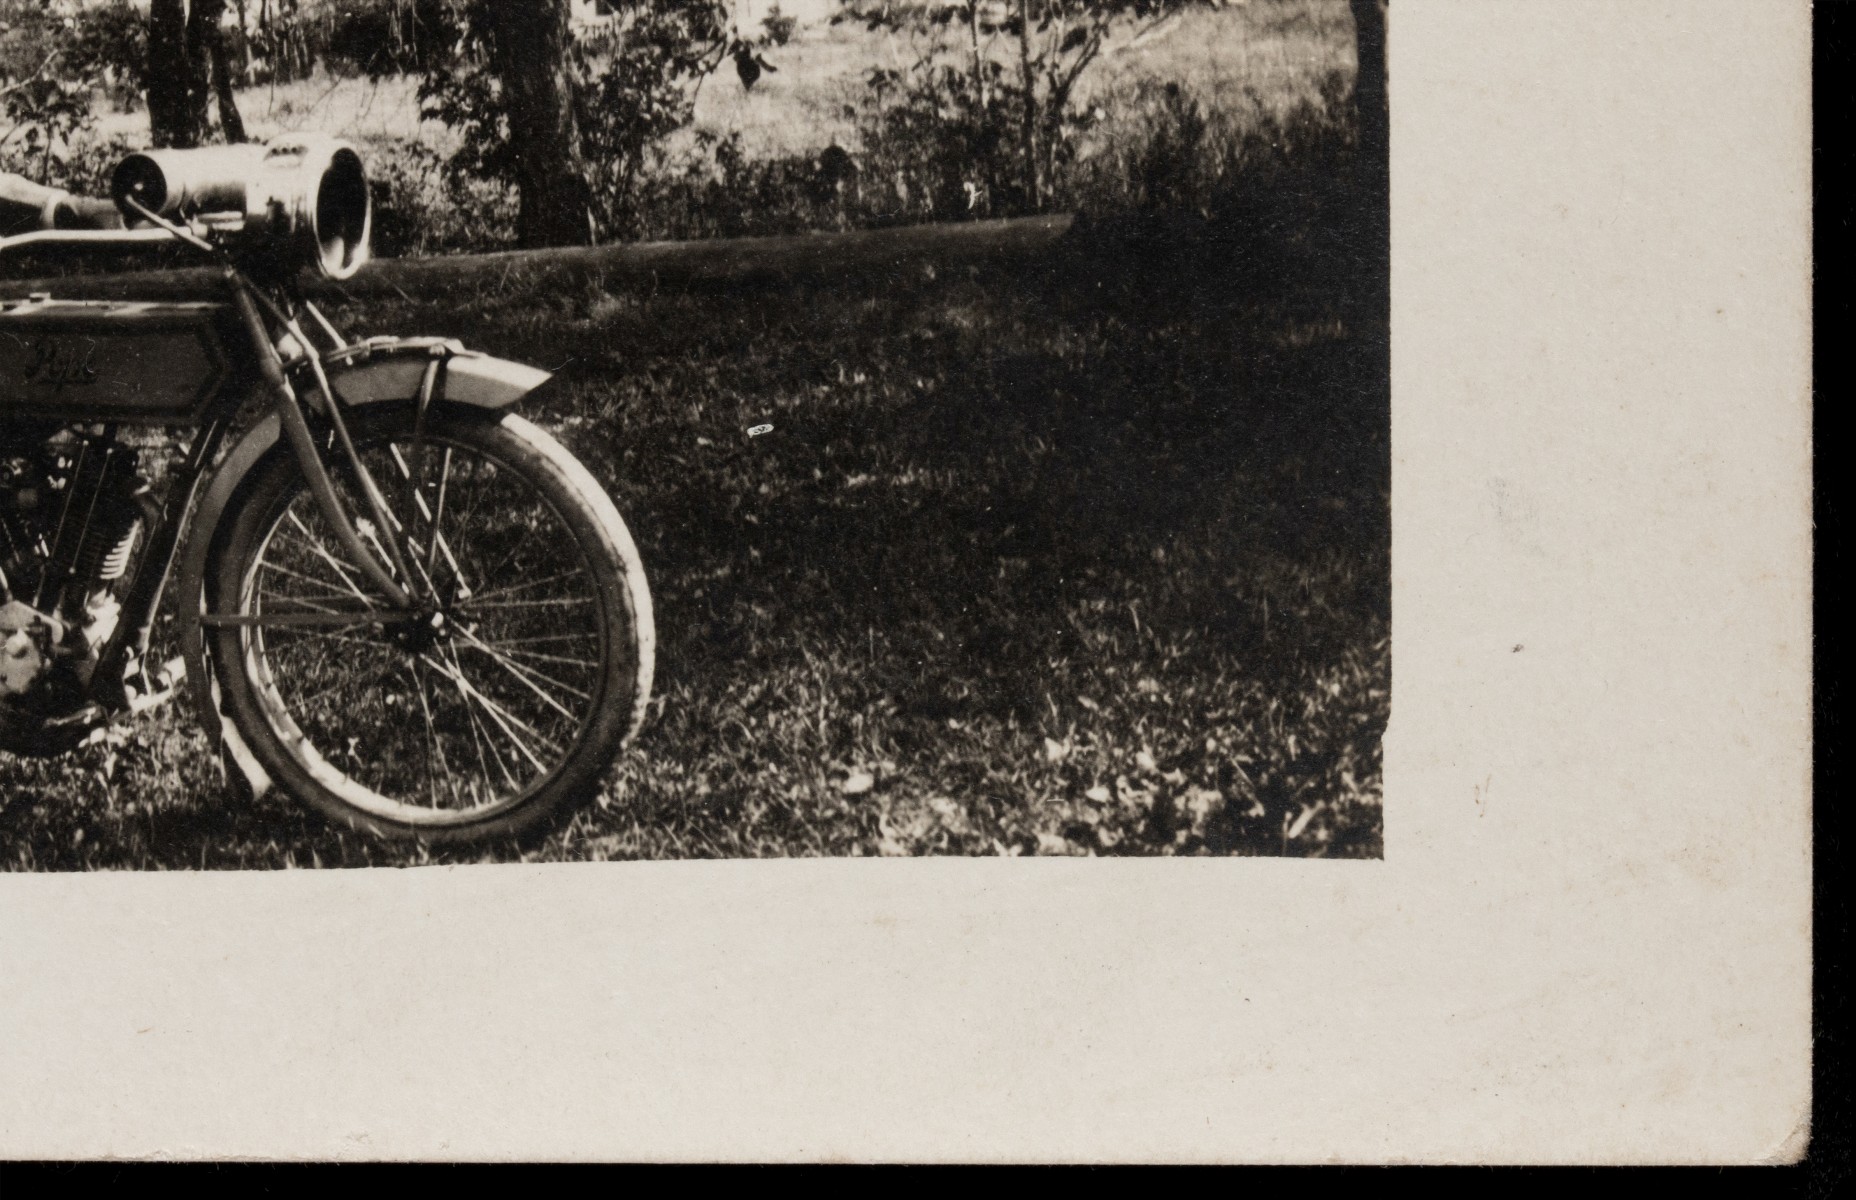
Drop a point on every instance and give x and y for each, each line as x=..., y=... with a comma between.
x=377, y=38
x=109, y=46
x=82, y=166
x=45, y=93
x=943, y=142
x=776, y=27
x=1004, y=75
x=420, y=208
x=634, y=84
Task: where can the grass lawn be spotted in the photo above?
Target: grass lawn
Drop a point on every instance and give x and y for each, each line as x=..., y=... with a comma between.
x=1028, y=565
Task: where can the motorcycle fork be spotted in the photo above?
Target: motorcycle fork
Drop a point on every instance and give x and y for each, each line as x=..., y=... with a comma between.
x=302, y=441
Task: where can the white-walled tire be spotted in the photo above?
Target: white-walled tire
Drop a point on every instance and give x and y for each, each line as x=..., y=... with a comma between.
x=493, y=711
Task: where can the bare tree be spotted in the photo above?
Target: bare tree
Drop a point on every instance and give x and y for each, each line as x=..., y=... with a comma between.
x=529, y=45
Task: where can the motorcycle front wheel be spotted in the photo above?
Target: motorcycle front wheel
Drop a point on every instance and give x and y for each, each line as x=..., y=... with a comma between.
x=492, y=708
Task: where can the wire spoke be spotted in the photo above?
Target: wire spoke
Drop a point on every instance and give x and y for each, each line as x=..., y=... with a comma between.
x=532, y=686
x=315, y=544
x=431, y=736
x=311, y=631
x=540, y=657
x=438, y=541
x=529, y=675
x=438, y=517
x=470, y=715
x=276, y=619
x=280, y=569
x=472, y=605
x=497, y=712
x=480, y=597
x=540, y=639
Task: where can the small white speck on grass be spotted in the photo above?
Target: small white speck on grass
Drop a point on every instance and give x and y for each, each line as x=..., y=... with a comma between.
x=857, y=783
x=1301, y=823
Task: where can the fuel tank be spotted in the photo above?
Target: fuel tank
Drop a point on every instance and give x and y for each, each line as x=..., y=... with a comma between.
x=135, y=362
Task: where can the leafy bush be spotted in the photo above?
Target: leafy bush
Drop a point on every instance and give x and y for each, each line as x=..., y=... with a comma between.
x=45, y=91
x=421, y=208
x=1000, y=76
x=944, y=140
x=634, y=84
x=109, y=46
x=1163, y=151
x=1287, y=181
x=776, y=27
x=378, y=38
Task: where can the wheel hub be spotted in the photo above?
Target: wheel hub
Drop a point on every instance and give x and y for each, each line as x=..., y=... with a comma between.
x=421, y=631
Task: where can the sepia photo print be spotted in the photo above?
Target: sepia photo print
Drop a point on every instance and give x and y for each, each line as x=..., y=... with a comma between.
x=453, y=431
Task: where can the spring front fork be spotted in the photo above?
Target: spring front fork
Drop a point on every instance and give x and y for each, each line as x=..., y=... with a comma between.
x=303, y=444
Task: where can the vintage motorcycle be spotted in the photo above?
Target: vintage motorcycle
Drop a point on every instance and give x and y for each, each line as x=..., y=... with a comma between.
x=396, y=600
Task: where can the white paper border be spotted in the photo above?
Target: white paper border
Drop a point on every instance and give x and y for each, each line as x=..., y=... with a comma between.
x=1589, y=941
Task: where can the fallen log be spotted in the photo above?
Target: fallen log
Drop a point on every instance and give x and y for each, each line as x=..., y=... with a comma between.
x=905, y=252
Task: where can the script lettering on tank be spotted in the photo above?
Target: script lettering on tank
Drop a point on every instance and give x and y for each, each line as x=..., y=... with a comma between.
x=61, y=364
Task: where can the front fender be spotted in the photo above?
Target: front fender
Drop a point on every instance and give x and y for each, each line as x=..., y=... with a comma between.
x=376, y=371
x=386, y=368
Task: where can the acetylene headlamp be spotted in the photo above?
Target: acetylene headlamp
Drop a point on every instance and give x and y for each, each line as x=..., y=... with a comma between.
x=305, y=195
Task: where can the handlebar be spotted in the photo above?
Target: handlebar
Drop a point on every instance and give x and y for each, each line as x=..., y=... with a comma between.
x=85, y=237
x=32, y=214
x=25, y=205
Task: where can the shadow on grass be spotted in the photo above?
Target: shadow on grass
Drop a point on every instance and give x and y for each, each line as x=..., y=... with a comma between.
x=1010, y=541
x=1087, y=561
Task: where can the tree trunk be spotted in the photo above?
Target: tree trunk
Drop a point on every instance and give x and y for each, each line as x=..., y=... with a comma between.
x=529, y=43
x=1370, y=105
x=188, y=72
x=244, y=41
x=209, y=75
x=165, y=78
x=1371, y=299
x=229, y=121
x=980, y=84
x=1369, y=87
x=197, y=66
x=1028, y=80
